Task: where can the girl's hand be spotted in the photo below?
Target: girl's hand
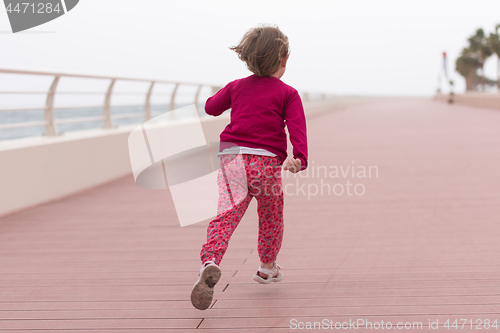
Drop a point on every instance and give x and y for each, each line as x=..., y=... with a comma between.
x=293, y=165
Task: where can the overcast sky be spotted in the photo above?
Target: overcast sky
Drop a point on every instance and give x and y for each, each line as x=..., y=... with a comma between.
x=389, y=47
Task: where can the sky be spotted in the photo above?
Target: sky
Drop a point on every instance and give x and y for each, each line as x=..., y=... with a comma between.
x=360, y=47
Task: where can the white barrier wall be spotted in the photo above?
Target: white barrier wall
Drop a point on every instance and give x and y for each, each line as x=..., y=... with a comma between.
x=42, y=169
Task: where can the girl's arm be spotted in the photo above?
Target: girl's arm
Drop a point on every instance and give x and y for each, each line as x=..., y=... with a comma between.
x=219, y=102
x=296, y=123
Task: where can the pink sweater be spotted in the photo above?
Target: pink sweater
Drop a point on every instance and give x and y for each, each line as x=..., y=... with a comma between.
x=261, y=107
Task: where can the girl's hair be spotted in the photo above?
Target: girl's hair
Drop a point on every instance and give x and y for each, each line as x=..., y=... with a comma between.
x=262, y=49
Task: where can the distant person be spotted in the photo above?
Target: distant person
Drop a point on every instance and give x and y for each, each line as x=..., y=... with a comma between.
x=261, y=106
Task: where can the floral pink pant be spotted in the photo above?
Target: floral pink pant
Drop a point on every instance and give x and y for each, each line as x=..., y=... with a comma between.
x=240, y=178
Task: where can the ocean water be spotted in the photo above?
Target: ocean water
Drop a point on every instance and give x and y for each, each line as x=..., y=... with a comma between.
x=9, y=117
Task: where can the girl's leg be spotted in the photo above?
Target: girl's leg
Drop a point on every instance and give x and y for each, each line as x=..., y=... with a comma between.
x=271, y=227
x=220, y=230
x=270, y=209
x=232, y=204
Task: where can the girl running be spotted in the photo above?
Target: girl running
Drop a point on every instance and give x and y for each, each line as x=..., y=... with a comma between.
x=252, y=150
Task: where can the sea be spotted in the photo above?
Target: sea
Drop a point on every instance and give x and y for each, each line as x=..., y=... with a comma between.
x=9, y=117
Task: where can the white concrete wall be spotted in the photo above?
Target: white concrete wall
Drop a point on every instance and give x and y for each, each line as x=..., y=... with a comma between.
x=38, y=170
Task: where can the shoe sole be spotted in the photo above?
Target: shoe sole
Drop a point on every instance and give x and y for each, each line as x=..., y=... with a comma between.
x=203, y=291
x=264, y=281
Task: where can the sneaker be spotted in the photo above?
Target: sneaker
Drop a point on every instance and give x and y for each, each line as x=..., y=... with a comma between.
x=203, y=290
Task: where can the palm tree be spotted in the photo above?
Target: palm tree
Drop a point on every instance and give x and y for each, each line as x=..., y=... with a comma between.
x=494, y=44
x=479, y=45
x=467, y=65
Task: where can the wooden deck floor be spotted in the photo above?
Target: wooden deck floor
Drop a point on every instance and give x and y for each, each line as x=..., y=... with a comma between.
x=421, y=244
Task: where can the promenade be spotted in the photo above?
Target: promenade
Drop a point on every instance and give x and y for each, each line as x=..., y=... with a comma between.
x=417, y=240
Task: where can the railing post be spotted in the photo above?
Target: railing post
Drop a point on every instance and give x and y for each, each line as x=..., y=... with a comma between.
x=106, y=110
x=147, y=104
x=197, y=96
x=172, y=101
x=50, y=125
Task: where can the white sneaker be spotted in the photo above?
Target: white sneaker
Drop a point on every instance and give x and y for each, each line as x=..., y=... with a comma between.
x=203, y=290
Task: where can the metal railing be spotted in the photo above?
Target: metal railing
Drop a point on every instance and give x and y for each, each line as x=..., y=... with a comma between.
x=49, y=119
x=50, y=122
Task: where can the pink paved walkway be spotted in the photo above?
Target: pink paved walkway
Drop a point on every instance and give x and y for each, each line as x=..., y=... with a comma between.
x=421, y=244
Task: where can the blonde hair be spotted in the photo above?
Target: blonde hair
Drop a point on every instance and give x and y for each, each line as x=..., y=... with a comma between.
x=262, y=49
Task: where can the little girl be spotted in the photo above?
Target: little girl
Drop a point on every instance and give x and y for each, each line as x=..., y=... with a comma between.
x=255, y=140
